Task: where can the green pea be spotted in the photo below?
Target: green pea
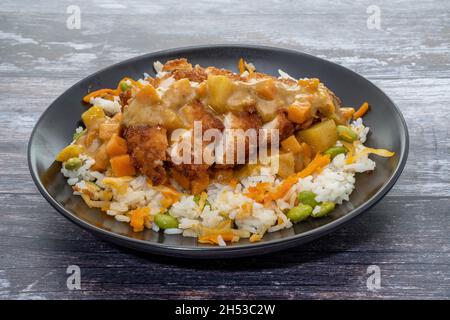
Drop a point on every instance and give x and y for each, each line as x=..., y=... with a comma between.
x=124, y=86
x=346, y=134
x=76, y=135
x=334, y=151
x=308, y=197
x=299, y=213
x=325, y=208
x=165, y=221
x=73, y=163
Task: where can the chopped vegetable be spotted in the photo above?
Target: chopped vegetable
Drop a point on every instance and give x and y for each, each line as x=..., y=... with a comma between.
x=138, y=217
x=148, y=95
x=299, y=213
x=286, y=164
x=92, y=115
x=101, y=159
x=361, y=111
x=325, y=208
x=107, y=129
x=124, y=86
x=291, y=144
x=220, y=88
x=320, y=136
x=299, y=113
x=266, y=89
x=309, y=84
x=346, y=134
x=241, y=66
x=307, y=197
x=73, y=163
x=116, y=146
x=334, y=151
x=165, y=221
x=122, y=166
x=71, y=151
x=101, y=92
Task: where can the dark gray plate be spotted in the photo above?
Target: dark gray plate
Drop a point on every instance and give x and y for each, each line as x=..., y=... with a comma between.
x=54, y=130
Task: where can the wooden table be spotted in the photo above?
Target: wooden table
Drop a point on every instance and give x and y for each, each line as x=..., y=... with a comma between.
x=406, y=235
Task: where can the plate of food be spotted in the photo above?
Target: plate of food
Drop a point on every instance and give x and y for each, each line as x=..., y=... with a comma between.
x=218, y=151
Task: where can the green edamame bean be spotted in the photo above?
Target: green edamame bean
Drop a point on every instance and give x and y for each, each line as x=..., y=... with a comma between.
x=73, y=163
x=165, y=221
x=346, y=134
x=325, y=208
x=124, y=86
x=308, y=197
x=334, y=151
x=299, y=213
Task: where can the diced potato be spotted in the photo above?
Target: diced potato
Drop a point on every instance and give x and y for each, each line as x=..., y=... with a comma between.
x=291, y=144
x=171, y=120
x=266, y=89
x=299, y=112
x=116, y=146
x=148, y=95
x=220, y=88
x=320, y=136
x=310, y=84
x=101, y=159
x=299, y=162
x=286, y=164
x=92, y=115
x=122, y=166
x=71, y=151
x=107, y=129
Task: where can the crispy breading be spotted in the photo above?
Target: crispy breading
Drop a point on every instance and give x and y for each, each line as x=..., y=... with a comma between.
x=197, y=74
x=177, y=64
x=195, y=111
x=147, y=146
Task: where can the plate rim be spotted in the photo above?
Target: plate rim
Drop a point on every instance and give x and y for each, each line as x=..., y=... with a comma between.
x=257, y=248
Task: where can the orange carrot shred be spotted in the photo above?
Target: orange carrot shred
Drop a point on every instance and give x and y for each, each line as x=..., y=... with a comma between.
x=361, y=111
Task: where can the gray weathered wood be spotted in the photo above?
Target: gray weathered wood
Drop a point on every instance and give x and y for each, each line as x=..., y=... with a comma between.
x=406, y=235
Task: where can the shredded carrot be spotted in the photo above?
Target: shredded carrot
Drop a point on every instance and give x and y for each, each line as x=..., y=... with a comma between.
x=361, y=111
x=317, y=163
x=213, y=238
x=97, y=93
x=241, y=66
x=138, y=218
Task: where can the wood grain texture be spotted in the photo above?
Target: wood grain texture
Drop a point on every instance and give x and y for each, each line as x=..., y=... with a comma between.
x=406, y=235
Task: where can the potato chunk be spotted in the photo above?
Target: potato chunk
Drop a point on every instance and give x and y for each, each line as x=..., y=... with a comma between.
x=320, y=136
